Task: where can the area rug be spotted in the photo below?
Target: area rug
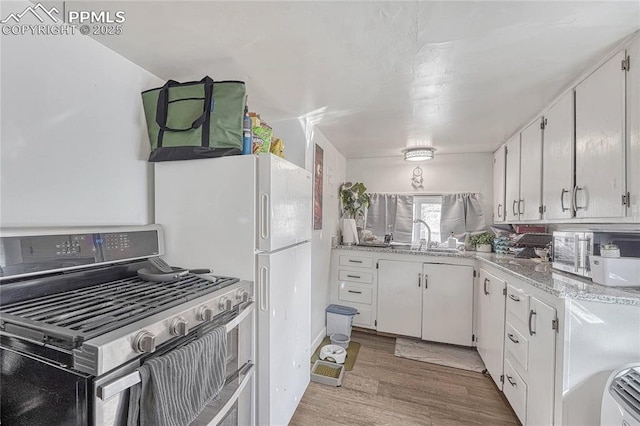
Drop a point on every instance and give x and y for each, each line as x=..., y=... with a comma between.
x=439, y=353
x=352, y=353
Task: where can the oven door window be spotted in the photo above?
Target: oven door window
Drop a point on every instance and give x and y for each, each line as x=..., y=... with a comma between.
x=564, y=250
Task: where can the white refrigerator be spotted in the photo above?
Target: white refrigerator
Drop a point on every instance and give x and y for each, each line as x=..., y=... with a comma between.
x=250, y=217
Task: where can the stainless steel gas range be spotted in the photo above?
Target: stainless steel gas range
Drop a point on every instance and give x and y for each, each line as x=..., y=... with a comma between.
x=77, y=322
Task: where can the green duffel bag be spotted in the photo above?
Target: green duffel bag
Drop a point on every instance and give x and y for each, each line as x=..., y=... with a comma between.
x=197, y=119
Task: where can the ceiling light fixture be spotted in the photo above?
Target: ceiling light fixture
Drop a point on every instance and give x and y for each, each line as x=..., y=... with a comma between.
x=418, y=154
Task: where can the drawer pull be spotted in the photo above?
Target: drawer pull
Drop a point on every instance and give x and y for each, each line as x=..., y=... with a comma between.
x=531, y=314
x=514, y=298
x=357, y=312
x=354, y=276
x=510, y=379
x=512, y=338
x=355, y=261
x=353, y=291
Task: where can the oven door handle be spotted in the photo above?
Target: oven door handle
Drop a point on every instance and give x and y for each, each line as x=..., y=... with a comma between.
x=119, y=385
x=123, y=383
x=237, y=320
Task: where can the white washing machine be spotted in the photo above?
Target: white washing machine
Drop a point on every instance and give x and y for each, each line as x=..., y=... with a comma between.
x=621, y=397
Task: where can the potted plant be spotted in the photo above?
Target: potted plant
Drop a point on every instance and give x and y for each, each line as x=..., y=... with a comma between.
x=482, y=242
x=355, y=200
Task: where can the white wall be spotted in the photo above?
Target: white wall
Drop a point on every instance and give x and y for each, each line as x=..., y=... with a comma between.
x=444, y=174
x=292, y=132
x=73, y=136
x=334, y=175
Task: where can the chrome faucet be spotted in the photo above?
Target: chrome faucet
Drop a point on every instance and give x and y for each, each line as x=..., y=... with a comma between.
x=428, y=231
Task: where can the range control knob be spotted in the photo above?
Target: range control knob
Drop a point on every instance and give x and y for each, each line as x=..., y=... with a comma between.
x=242, y=295
x=205, y=313
x=179, y=327
x=225, y=304
x=144, y=342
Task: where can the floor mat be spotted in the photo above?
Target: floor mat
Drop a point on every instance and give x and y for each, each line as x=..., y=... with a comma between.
x=439, y=353
x=352, y=353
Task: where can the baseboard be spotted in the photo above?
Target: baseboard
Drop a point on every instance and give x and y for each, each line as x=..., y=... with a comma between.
x=318, y=340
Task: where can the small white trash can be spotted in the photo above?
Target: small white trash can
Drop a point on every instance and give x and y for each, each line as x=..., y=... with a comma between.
x=340, y=319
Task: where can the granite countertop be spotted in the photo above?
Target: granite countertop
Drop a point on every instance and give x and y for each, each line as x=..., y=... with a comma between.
x=534, y=272
x=541, y=275
x=459, y=254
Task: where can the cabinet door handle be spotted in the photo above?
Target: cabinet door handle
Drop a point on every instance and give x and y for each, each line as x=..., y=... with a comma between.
x=354, y=276
x=499, y=207
x=562, y=200
x=575, y=197
x=355, y=261
x=486, y=280
x=519, y=202
x=512, y=338
x=531, y=314
x=353, y=291
x=513, y=207
x=514, y=298
x=419, y=280
x=511, y=382
x=426, y=281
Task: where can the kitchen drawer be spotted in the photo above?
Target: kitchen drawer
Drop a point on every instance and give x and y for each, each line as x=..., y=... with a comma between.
x=355, y=276
x=516, y=345
x=361, y=262
x=515, y=389
x=351, y=293
x=517, y=303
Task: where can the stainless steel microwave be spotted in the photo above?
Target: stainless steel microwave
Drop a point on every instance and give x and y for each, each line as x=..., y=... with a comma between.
x=571, y=252
x=571, y=249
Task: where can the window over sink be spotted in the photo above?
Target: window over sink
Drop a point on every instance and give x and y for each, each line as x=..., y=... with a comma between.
x=429, y=209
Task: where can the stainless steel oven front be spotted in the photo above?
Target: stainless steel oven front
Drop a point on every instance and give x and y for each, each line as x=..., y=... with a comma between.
x=234, y=404
x=571, y=251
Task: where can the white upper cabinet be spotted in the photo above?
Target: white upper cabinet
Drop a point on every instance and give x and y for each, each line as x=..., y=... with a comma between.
x=512, y=179
x=633, y=131
x=558, y=152
x=498, y=185
x=530, y=202
x=600, y=142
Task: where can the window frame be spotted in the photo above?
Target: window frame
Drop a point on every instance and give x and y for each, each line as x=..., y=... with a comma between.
x=418, y=202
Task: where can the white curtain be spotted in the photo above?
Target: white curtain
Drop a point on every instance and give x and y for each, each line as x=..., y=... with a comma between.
x=461, y=213
x=390, y=213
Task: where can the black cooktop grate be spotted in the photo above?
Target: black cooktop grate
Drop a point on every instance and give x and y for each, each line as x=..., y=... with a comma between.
x=67, y=319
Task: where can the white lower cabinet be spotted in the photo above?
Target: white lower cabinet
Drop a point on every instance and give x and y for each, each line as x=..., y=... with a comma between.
x=529, y=358
x=515, y=389
x=354, y=284
x=542, y=362
x=400, y=297
x=491, y=313
x=447, y=304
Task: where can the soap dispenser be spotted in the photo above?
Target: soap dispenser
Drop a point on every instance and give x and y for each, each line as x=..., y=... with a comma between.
x=452, y=242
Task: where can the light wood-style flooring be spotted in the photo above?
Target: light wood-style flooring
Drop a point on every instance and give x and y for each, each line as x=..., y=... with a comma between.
x=385, y=390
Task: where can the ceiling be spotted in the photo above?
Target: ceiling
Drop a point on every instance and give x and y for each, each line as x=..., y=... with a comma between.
x=379, y=76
